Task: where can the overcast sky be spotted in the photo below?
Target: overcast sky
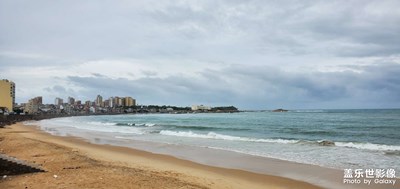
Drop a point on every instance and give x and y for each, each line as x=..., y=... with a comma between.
x=251, y=54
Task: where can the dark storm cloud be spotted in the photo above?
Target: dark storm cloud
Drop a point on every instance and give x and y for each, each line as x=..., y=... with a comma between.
x=172, y=90
x=238, y=85
x=363, y=29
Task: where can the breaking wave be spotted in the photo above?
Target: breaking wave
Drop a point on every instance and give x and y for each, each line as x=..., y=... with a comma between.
x=91, y=125
x=368, y=146
x=101, y=123
x=212, y=135
x=205, y=128
x=137, y=124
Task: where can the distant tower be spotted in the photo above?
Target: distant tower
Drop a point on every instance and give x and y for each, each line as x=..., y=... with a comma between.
x=88, y=103
x=99, y=100
x=7, y=94
x=58, y=101
x=33, y=105
x=71, y=101
x=116, y=102
x=38, y=100
x=129, y=101
x=111, y=102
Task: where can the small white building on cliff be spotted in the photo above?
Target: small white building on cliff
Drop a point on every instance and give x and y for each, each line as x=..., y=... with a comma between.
x=200, y=107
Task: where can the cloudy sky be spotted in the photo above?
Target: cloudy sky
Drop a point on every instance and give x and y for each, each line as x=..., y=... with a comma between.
x=251, y=54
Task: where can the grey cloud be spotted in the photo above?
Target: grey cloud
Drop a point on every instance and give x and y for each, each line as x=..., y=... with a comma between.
x=172, y=90
x=382, y=78
x=14, y=60
x=59, y=90
x=98, y=75
x=364, y=28
x=314, y=86
x=56, y=88
x=148, y=29
x=269, y=34
x=149, y=73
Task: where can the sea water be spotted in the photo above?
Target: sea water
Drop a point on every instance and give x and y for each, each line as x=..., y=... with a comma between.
x=362, y=138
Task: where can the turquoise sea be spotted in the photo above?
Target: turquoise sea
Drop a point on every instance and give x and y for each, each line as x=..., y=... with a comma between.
x=361, y=138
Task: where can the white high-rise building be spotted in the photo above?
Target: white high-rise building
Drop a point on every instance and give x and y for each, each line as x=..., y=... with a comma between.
x=111, y=102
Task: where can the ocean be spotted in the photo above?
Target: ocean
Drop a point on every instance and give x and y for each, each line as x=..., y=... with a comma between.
x=365, y=139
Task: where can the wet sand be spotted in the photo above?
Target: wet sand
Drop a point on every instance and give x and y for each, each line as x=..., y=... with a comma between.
x=80, y=164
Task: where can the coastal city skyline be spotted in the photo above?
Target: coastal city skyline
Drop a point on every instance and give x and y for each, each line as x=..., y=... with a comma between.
x=100, y=105
x=8, y=96
x=112, y=104
x=302, y=55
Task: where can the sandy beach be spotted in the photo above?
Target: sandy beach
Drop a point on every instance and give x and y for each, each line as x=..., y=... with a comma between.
x=79, y=164
x=74, y=163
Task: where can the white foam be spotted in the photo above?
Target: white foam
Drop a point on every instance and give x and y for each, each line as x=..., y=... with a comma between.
x=92, y=126
x=30, y=122
x=307, y=111
x=212, y=135
x=141, y=124
x=368, y=146
x=121, y=137
x=101, y=123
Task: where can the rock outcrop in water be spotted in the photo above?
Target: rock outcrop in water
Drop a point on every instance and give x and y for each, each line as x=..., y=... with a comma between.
x=326, y=143
x=279, y=110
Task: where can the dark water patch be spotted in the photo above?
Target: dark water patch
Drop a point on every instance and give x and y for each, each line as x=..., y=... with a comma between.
x=203, y=128
x=365, y=127
x=313, y=132
x=392, y=153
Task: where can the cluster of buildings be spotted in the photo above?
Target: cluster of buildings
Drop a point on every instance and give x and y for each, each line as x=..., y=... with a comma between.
x=111, y=102
x=70, y=106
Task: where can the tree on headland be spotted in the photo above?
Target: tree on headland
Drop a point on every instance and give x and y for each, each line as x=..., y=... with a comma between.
x=225, y=109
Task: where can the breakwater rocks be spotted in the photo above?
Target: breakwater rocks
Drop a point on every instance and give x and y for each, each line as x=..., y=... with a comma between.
x=12, y=119
x=13, y=166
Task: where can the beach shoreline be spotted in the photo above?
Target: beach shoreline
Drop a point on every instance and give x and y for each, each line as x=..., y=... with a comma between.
x=171, y=170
